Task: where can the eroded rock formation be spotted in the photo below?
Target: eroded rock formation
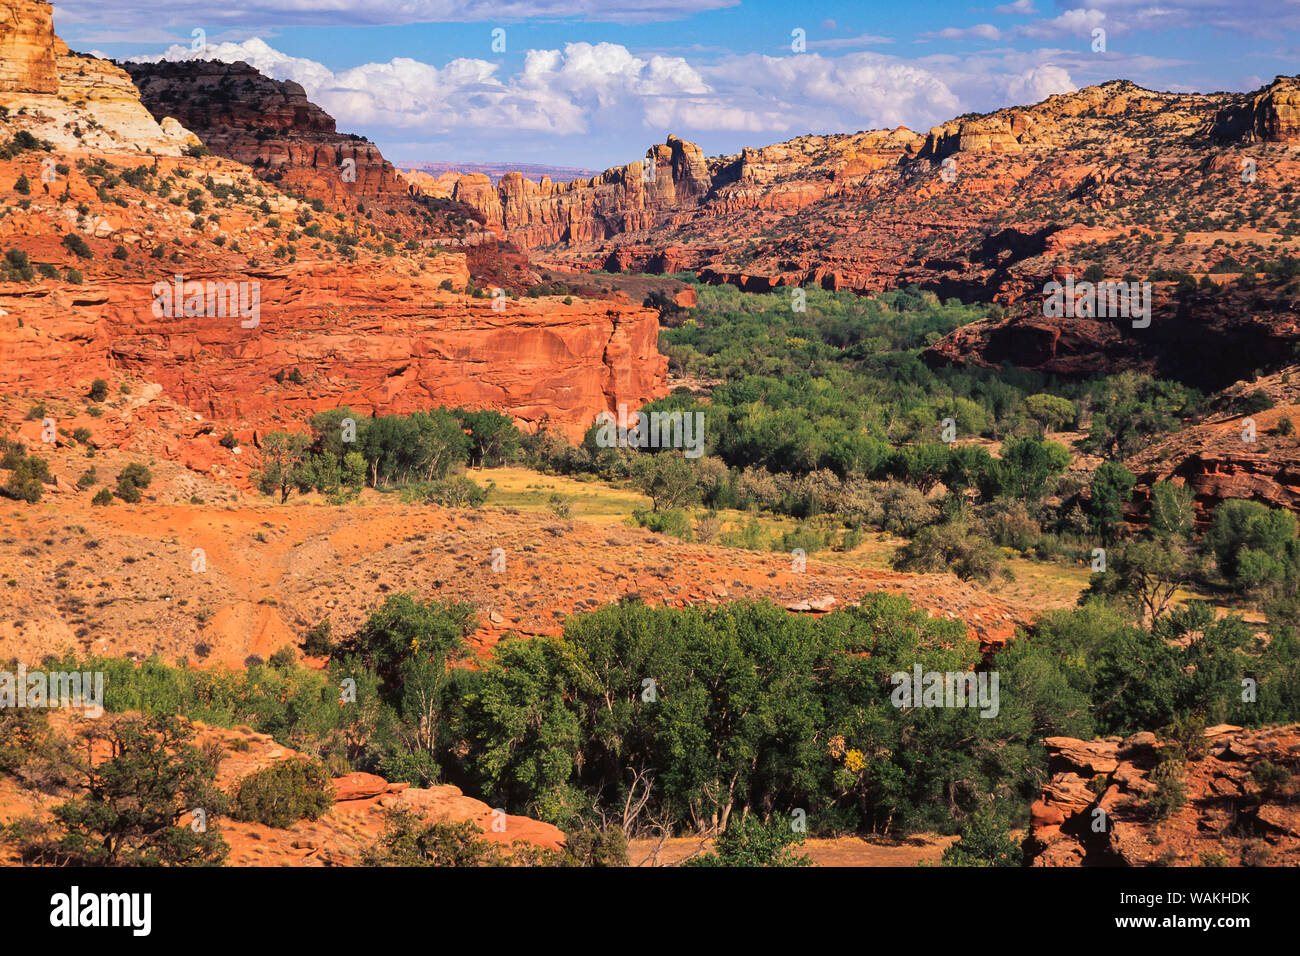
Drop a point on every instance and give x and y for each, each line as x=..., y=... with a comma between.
x=1099, y=806
x=378, y=342
x=264, y=123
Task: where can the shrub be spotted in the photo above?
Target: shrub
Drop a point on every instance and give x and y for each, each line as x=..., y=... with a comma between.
x=27, y=478
x=985, y=841
x=102, y=497
x=748, y=841
x=1169, y=776
x=131, y=479
x=318, y=642
x=456, y=491
x=128, y=492
x=98, y=390
x=284, y=793
x=409, y=840
x=674, y=522
x=77, y=246
x=952, y=546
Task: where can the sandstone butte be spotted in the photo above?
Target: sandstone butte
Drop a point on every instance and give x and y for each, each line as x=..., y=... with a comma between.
x=266, y=124
x=385, y=334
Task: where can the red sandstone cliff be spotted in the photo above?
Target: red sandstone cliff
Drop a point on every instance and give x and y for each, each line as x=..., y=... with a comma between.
x=363, y=322
x=378, y=342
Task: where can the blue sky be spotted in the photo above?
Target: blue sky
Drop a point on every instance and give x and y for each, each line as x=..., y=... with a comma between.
x=583, y=83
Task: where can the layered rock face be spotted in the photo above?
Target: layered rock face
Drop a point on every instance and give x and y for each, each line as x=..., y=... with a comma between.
x=264, y=123
x=26, y=50
x=672, y=186
x=1095, y=808
x=1216, y=461
x=72, y=101
x=377, y=342
x=1207, y=339
x=1271, y=116
x=629, y=198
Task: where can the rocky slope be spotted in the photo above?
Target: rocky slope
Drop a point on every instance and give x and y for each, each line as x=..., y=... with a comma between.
x=1097, y=808
x=71, y=101
x=1233, y=453
x=273, y=572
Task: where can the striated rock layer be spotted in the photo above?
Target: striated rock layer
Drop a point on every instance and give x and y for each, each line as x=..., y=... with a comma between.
x=376, y=341
x=26, y=53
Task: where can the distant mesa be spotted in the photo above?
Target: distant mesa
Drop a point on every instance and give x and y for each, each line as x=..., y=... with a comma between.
x=494, y=171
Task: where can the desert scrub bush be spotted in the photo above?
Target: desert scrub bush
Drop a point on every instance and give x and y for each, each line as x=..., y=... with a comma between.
x=284, y=793
x=15, y=267
x=985, y=841
x=1169, y=776
x=1272, y=779
x=410, y=841
x=675, y=523
x=318, y=642
x=131, y=479
x=102, y=497
x=77, y=246
x=456, y=491
x=27, y=478
x=801, y=537
x=748, y=841
x=950, y=547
